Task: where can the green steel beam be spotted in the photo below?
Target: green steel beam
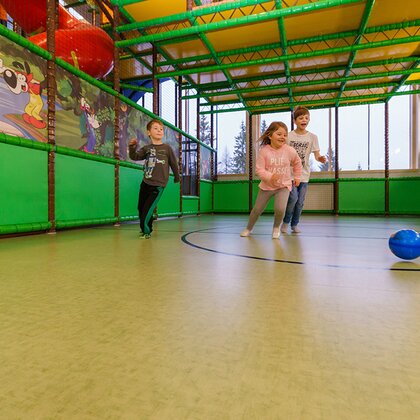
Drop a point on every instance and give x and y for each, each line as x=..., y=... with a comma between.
x=133, y=87
x=128, y=18
x=135, y=56
x=209, y=10
x=283, y=43
x=366, y=15
x=311, y=83
x=328, y=51
x=309, y=92
x=139, y=55
x=323, y=103
x=214, y=55
x=224, y=85
x=299, y=41
x=404, y=79
x=122, y=3
x=245, y=20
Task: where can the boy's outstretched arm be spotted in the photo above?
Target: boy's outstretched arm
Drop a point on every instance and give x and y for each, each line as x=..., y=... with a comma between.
x=319, y=157
x=133, y=152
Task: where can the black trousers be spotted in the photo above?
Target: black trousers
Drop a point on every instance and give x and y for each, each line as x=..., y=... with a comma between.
x=149, y=196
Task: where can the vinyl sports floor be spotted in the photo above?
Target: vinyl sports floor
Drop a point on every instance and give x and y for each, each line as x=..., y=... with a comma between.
x=198, y=323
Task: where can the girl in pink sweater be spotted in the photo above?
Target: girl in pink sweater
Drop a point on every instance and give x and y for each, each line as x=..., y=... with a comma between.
x=274, y=160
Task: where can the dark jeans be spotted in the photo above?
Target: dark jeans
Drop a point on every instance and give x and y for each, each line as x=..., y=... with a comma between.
x=295, y=204
x=148, y=198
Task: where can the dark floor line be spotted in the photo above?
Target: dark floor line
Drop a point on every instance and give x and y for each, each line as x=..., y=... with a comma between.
x=187, y=242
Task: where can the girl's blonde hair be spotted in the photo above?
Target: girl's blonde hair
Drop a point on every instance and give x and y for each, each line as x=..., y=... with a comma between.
x=273, y=127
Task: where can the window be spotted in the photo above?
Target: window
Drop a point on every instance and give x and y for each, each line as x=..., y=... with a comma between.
x=399, y=132
x=353, y=137
x=319, y=125
x=168, y=105
x=230, y=136
x=189, y=167
x=376, y=135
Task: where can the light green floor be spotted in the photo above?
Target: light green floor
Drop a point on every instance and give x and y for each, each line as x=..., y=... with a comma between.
x=97, y=324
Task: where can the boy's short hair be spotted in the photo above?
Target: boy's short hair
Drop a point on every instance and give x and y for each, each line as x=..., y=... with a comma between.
x=300, y=110
x=154, y=121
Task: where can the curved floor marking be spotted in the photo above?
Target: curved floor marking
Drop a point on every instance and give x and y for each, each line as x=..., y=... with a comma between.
x=252, y=257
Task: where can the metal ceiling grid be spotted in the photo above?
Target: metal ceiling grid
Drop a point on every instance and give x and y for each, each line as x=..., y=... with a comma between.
x=267, y=55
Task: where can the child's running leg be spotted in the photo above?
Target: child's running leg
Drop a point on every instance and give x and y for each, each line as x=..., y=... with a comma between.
x=280, y=203
x=260, y=204
x=291, y=202
x=143, y=193
x=149, y=203
x=301, y=194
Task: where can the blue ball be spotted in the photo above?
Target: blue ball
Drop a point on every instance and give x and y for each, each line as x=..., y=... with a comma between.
x=405, y=244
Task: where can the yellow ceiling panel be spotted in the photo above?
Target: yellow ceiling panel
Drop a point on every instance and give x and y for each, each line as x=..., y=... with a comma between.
x=245, y=36
x=316, y=88
x=186, y=49
x=415, y=76
x=224, y=98
x=256, y=70
x=319, y=61
x=204, y=78
x=145, y=10
x=393, y=51
x=234, y=14
x=391, y=11
x=252, y=95
x=337, y=19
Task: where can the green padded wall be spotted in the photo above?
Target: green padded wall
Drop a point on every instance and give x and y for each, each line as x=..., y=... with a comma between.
x=84, y=189
x=170, y=200
x=231, y=196
x=364, y=196
x=190, y=205
x=205, y=197
x=404, y=196
x=23, y=185
x=130, y=179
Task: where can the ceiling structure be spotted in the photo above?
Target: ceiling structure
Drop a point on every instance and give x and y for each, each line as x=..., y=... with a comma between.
x=266, y=56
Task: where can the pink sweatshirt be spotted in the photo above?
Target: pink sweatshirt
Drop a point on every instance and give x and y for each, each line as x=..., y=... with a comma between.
x=272, y=161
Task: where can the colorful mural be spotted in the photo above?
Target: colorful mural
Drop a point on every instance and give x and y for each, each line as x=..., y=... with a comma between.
x=84, y=113
x=23, y=92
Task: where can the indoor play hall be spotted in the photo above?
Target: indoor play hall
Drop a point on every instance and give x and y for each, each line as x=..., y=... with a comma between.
x=220, y=301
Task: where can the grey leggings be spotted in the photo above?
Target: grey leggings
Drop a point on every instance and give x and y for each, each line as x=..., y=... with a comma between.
x=280, y=201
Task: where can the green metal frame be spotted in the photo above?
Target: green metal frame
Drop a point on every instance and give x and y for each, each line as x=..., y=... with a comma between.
x=278, y=91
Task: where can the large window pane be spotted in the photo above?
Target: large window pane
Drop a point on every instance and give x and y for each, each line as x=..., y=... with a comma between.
x=353, y=138
x=376, y=148
x=399, y=132
x=228, y=127
x=168, y=101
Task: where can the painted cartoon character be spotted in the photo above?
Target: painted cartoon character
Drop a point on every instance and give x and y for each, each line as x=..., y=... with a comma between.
x=22, y=81
x=91, y=123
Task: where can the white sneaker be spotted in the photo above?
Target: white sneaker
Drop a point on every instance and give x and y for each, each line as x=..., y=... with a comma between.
x=284, y=228
x=245, y=233
x=295, y=229
x=276, y=233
